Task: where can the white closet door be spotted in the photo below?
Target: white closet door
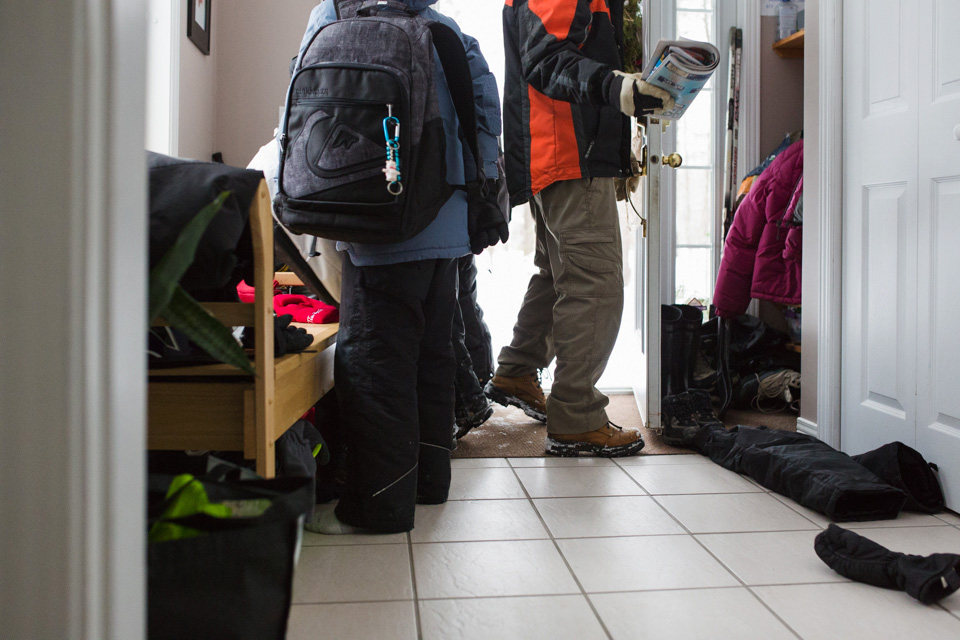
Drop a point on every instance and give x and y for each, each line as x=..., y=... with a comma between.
x=880, y=70
x=938, y=348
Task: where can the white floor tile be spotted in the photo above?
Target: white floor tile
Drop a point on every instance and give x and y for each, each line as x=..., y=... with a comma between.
x=572, y=482
x=311, y=539
x=949, y=518
x=485, y=484
x=530, y=618
x=916, y=540
x=519, y=463
x=478, y=569
x=478, y=463
x=677, y=478
x=605, y=516
x=651, y=562
x=782, y=557
x=643, y=461
x=717, y=614
x=905, y=519
x=360, y=621
x=463, y=520
x=851, y=610
x=733, y=512
x=817, y=518
x=352, y=574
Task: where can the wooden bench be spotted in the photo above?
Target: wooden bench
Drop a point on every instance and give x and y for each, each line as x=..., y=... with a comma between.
x=219, y=407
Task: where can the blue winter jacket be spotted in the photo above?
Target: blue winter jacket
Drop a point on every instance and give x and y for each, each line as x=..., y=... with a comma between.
x=446, y=236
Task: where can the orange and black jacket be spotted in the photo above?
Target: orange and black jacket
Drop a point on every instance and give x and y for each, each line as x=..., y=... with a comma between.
x=557, y=124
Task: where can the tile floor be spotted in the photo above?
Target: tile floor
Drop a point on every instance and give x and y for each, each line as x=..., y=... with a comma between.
x=664, y=547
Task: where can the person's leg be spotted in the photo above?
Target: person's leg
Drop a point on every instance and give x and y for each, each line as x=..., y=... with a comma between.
x=435, y=389
x=378, y=346
x=531, y=348
x=476, y=333
x=588, y=272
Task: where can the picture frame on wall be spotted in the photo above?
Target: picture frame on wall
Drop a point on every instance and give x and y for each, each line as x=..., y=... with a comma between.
x=198, y=24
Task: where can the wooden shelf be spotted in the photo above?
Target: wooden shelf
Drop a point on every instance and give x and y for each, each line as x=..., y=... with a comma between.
x=790, y=47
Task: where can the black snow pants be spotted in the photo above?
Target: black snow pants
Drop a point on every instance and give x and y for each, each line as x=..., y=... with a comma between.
x=394, y=371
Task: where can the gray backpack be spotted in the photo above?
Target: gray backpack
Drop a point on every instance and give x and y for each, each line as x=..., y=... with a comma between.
x=362, y=149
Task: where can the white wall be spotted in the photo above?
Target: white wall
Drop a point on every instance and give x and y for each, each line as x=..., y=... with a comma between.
x=254, y=43
x=197, y=108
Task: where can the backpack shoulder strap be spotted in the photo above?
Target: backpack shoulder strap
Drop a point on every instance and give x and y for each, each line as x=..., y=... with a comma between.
x=456, y=70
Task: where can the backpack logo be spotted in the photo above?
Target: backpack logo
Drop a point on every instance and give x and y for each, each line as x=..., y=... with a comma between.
x=344, y=138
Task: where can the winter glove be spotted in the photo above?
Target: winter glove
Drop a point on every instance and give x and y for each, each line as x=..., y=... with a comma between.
x=287, y=339
x=487, y=220
x=634, y=97
x=928, y=579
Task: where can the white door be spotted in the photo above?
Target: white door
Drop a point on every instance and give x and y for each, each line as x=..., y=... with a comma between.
x=901, y=230
x=938, y=348
x=880, y=224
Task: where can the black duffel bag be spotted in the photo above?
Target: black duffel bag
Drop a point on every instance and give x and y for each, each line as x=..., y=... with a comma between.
x=234, y=577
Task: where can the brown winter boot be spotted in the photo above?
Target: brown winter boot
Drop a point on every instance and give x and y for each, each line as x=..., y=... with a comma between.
x=609, y=441
x=523, y=392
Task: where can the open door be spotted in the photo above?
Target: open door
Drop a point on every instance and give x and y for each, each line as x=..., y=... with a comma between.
x=649, y=255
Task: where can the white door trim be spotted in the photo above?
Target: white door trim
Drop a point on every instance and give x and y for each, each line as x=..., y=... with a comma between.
x=73, y=193
x=748, y=17
x=830, y=220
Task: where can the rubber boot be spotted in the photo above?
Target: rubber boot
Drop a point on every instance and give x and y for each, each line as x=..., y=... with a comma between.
x=691, y=321
x=671, y=350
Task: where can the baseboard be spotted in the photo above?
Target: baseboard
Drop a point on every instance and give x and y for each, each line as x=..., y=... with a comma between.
x=807, y=427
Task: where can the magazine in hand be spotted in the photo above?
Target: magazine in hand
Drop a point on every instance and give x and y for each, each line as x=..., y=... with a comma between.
x=681, y=68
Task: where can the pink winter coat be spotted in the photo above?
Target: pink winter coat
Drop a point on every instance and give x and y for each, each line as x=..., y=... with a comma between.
x=761, y=256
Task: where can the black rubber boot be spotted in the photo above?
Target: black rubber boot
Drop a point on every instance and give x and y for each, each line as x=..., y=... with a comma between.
x=691, y=320
x=672, y=343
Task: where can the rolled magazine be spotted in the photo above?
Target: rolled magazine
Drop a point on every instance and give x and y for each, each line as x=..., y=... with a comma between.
x=681, y=68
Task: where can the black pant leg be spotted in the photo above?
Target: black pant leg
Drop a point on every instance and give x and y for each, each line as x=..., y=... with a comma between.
x=476, y=333
x=435, y=388
x=376, y=363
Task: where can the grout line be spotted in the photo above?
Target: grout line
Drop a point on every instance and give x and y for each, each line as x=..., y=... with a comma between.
x=576, y=580
x=413, y=585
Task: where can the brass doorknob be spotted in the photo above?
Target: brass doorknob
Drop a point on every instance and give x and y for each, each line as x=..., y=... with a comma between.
x=673, y=160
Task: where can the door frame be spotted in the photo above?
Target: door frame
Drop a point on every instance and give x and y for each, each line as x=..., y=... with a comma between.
x=74, y=407
x=823, y=185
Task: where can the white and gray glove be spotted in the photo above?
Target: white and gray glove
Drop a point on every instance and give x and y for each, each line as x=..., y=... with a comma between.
x=634, y=97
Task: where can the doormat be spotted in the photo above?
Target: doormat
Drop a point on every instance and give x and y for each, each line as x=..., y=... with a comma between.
x=510, y=433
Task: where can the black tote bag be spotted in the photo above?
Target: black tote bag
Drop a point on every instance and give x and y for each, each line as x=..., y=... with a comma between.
x=235, y=580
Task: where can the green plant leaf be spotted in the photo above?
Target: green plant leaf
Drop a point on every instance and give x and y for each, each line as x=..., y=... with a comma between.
x=165, y=276
x=208, y=333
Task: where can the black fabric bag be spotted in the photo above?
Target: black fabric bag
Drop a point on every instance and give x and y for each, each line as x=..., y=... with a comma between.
x=236, y=579
x=904, y=468
x=364, y=93
x=179, y=189
x=926, y=578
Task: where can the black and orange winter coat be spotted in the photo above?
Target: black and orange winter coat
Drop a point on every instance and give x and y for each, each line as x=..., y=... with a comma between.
x=557, y=125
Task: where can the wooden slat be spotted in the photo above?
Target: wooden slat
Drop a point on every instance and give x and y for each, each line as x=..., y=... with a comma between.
x=287, y=279
x=232, y=314
x=299, y=389
x=195, y=415
x=261, y=227
x=791, y=46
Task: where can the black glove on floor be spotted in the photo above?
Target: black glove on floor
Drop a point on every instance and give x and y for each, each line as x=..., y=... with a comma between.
x=926, y=578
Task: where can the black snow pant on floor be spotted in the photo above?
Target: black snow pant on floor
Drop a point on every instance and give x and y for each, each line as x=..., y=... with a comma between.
x=808, y=470
x=394, y=371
